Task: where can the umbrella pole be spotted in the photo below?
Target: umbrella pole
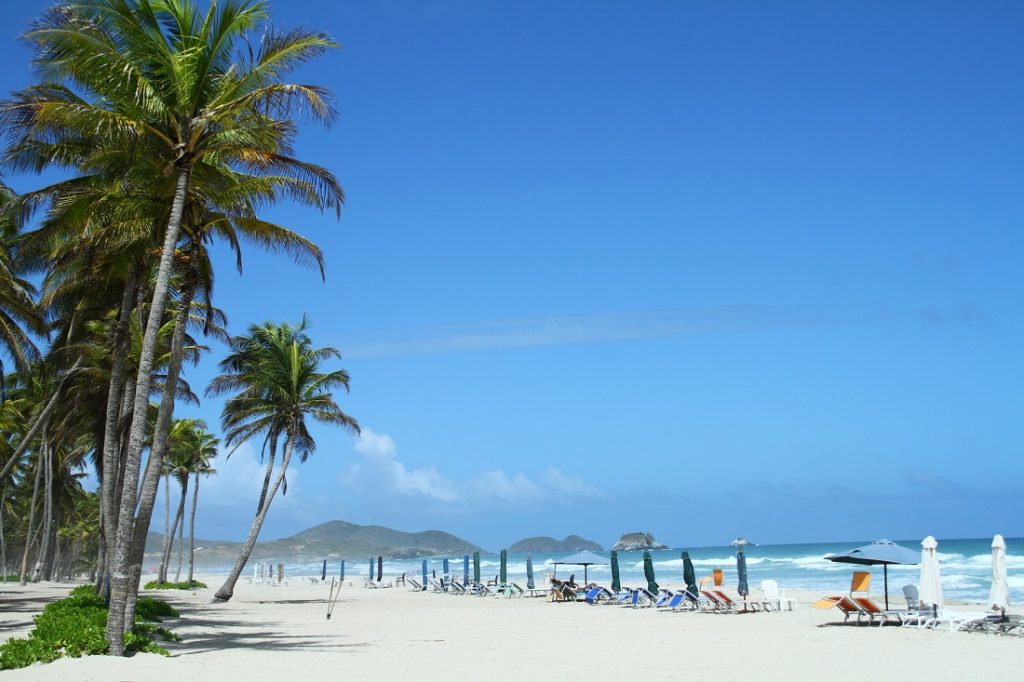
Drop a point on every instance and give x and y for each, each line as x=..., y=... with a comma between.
x=585, y=574
x=885, y=571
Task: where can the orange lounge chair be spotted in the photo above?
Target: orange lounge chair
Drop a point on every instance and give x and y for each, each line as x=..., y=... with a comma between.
x=844, y=603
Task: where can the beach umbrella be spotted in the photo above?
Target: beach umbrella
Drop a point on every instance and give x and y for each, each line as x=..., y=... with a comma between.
x=999, y=595
x=323, y=571
x=424, y=574
x=652, y=586
x=503, y=573
x=741, y=572
x=616, y=585
x=931, y=585
x=444, y=567
x=689, y=575
x=380, y=567
x=585, y=558
x=476, y=567
x=342, y=570
x=878, y=553
x=371, y=568
x=465, y=569
x=529, y=573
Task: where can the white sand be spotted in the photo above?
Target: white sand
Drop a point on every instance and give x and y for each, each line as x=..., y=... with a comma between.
x=280, y=633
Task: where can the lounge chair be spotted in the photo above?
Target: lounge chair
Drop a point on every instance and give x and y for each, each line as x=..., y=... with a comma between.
x=776, y=597
x=598, y=594
x=641, y=597
x=845, y=604
x=664, y=597
x=414, y=585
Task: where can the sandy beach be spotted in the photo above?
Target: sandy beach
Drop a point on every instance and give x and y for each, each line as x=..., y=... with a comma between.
x=281, y=632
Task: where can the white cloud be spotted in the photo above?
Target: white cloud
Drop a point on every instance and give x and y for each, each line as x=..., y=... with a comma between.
x=380, y=466
x=378, y=469
x=239, y=480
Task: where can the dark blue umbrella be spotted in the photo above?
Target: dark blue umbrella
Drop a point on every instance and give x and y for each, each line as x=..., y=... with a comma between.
x=444, y=567
x=323, y=571
x=689, y=575
x=424, y=574
x=741, y=573
x=342, y=569
x=380, y=567
x=529, y=573
x=882, y=552
x=465, y=569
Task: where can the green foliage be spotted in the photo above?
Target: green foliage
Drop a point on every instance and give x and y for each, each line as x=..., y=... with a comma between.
x=76, y=626
x=183, y=585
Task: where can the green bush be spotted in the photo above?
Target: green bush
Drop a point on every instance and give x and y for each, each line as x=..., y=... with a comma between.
x=183, y=585
x=76, y=626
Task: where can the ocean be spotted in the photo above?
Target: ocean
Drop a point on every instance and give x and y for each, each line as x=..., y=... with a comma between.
x=966, y=567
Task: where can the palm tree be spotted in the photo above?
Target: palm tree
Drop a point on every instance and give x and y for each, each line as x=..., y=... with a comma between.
x=193, y=111
x=198, y=448
x=278, y=376
x=18, y=312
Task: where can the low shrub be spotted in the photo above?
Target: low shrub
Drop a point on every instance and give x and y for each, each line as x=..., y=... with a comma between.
x=76, y=626
x=183, y=585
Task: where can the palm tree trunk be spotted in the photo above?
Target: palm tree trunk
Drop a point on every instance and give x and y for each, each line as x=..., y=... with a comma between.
x=3, y=541
x=111, y=430
x=178, y=519
x=270, y=469
x=181, y=528
x=191, y=531
x=41, y=419
x=31, y=523
x=227, y=590
x=162, y=573
x=158, y=451
x=121, y=564
x=44, y=550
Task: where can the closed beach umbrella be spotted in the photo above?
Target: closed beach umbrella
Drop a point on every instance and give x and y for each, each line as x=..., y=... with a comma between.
x=476, y=567
x=465, y=569
x=444, y=567
x=371, y=568
x=503, y=573
x=879, y=552
x=999, y=595
x=931, y=585
x=741, y=572
x=529, y=573
x=424, y=574
x=323, y=571
x=652, y=586
x=689, y=575
x=380, y=567
x=342, y=570
x=616, y=584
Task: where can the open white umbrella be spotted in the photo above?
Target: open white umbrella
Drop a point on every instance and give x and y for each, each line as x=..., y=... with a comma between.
x=999, y=596
x=931, y=585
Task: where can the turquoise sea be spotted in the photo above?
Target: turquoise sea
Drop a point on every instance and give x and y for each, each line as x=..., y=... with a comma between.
x=966, y=567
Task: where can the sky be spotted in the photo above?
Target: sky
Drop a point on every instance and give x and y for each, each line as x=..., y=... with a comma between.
x=704, y=269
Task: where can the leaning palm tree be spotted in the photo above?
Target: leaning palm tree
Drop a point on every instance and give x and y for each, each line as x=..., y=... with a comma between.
x=277, y=373
x=193, y=106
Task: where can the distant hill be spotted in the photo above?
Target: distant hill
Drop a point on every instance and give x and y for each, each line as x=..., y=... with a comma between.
x=573, y=543
x=331, y=540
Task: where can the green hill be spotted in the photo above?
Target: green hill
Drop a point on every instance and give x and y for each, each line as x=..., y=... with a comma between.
x=573, y=543
x=331, y=540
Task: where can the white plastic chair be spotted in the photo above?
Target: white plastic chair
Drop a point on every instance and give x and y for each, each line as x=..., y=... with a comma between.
x=773, y=595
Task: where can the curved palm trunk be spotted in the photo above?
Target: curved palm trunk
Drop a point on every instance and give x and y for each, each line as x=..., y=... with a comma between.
x=191, y=532
x=181, y=527
x=169, y=549
x=120, y=574
x=40, y=572
x=147, y=494
x=165, y=549
x=41, y=419
x=227, y=590
x=31, y=522
x=111, y=423
x=270, y=470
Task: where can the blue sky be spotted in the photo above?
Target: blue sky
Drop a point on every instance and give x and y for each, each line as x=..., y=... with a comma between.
x=704, y=269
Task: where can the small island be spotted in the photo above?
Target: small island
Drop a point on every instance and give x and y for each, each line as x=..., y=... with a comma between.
x=637, y=541
x=573, y=543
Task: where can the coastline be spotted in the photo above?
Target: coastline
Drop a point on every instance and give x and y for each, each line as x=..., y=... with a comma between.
x=281, y=632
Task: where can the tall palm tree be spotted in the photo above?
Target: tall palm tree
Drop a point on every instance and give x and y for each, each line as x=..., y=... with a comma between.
x=198, y=448
x=19, y=315
x=277, y=373
x=194, y=111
